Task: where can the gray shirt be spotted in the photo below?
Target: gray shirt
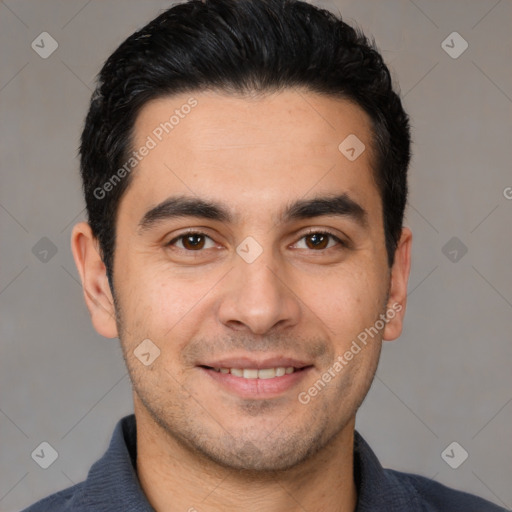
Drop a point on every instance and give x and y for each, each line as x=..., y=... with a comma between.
x=112, y=485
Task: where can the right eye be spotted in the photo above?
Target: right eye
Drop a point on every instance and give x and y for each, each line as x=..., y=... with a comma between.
x=191, y=241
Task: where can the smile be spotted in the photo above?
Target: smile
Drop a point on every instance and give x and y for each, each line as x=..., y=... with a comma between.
x=255, y=373
x=267, y=382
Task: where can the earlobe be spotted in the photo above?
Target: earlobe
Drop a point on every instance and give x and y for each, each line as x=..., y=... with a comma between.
x=398, y=286
x=97, y=293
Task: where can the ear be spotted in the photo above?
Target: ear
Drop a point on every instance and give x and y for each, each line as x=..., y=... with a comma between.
x=398, y=286
x=93, y=274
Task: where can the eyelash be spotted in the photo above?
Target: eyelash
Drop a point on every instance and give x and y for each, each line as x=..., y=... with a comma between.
x=341, y=242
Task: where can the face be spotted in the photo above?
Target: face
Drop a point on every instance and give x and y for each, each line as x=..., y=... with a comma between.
x=250, y=251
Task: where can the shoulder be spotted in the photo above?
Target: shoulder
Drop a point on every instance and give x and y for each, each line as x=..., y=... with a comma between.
x=62, y=501
x=436, y=497
x=111, y=482
x=385, y=489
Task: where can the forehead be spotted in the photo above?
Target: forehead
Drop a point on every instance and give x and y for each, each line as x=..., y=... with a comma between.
x=253, y=154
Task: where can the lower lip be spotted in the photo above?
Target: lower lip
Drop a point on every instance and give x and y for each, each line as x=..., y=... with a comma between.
x=258, y=388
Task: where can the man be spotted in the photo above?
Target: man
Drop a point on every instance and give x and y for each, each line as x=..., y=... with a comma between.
x=244, y=167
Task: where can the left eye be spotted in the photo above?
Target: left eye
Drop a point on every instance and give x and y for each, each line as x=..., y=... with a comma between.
x=320, y=240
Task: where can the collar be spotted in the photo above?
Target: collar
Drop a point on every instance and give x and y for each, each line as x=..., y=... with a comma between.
x=113, y=478
x=380, y=489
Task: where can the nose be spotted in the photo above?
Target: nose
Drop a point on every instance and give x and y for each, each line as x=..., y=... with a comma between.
x=259, y=297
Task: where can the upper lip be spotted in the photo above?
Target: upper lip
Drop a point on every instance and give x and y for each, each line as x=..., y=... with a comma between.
x=254, y=363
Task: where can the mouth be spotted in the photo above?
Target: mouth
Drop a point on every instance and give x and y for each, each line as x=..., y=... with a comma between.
x=257, y=373
x=252, y=379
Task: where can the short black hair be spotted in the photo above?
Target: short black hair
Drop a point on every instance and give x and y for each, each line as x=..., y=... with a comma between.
x=239, y=47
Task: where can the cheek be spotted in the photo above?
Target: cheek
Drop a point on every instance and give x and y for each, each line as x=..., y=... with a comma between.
x=346, y=300
x=164, y=306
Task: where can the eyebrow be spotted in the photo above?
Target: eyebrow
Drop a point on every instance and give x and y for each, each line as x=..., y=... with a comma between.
x=183, y=206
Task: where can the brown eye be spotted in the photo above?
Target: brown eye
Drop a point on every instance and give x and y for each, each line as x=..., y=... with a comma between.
x=320, y=240
x=317, y=240
x=192, y=242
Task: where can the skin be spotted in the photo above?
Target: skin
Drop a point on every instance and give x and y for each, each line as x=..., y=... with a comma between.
x=201, y=447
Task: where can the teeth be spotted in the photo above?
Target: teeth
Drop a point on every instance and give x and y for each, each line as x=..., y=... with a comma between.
x=253, y=373
x=280, y=371
x=267, y=373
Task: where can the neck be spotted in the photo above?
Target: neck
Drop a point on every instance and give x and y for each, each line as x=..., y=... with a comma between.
x=174, y=478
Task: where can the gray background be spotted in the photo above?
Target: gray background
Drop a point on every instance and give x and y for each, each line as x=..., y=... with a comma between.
x=447, y=379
